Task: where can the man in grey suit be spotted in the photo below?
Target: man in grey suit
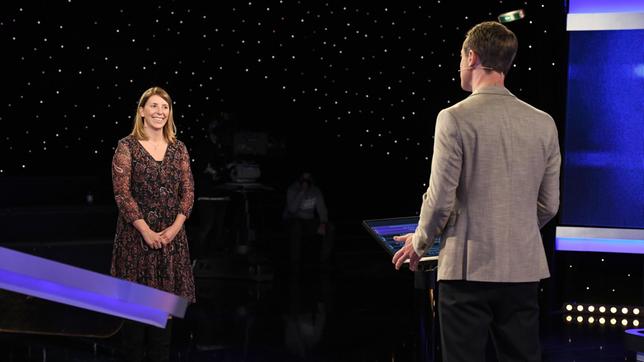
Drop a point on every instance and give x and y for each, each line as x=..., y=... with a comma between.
x=494, y=183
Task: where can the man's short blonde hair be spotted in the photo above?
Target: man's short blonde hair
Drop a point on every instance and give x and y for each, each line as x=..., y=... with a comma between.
x=495, y=44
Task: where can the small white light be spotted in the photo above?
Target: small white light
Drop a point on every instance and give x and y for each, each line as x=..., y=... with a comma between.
x=602, y=320
x=568, y=307
x=602, y=309
x=624, y=310
x=580, y=319
x=591, y=308
x=613, y=310
x=636, y=311
x=624, y=322
x=613, y=321
x=568, y=318
x=580, y=308
x=636, y=323
x=591, y=320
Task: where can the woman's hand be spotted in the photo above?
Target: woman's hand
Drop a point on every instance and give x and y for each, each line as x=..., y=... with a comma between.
x=169, y=234
x=153, y=239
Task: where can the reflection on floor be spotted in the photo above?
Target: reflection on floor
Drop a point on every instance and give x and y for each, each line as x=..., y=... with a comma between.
x=353, y=309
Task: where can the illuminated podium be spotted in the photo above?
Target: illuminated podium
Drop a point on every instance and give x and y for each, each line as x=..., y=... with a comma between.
x=634, y=341
x=62, y=283
x=428, y=337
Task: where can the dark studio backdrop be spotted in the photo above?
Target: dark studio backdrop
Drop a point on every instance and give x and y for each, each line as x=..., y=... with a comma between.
x=346, y=90
x=350, y=91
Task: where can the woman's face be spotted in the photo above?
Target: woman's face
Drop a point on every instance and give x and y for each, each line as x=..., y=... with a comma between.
x=155, y=112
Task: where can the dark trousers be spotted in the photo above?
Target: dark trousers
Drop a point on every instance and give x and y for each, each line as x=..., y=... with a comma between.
x=304, y=239
x=470, y=312
x=139, y=341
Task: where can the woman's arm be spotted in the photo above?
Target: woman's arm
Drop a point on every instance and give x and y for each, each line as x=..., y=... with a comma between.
x=121, y=180
x=187, y=197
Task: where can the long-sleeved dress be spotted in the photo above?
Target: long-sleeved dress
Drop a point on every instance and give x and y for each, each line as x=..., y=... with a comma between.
x=156, y=191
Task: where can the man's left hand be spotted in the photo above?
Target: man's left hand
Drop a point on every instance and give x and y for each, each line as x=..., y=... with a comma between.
x=406, y=252
x=322, y=229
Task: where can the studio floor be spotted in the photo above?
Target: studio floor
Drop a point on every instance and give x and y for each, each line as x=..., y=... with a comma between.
x=355, y=308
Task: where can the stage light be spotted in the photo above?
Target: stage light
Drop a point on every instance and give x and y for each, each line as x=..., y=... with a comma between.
x=602, y=320
x=624, y=322
x=636, y=323
x=510, y=16
x=602, y=309
x=568, y=318
x=591, y=320
x=580, y=319
x=580, y=308
x=624, y=310
x=613, y=321
x=591, y=308
x=613, y=310
x=568, y=307
x=636, y=311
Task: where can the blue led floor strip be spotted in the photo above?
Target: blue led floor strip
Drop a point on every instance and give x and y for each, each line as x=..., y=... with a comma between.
x=58, y=282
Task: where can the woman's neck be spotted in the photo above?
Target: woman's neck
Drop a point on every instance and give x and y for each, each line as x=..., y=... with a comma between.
x=153, y=135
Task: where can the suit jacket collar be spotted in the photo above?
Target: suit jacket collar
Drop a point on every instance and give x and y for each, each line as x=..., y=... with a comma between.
x=494, y=90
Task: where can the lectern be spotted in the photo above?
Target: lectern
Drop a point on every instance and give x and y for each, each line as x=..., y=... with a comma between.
x=383, y=231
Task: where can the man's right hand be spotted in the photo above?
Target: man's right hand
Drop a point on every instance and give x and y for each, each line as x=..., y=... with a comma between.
x=406, y=252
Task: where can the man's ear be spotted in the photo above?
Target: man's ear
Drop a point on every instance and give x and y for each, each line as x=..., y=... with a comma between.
x=472, y=58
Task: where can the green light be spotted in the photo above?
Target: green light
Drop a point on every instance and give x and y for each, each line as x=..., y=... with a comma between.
x=511, y=16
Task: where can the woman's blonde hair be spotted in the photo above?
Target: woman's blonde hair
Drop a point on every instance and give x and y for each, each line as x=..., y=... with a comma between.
x=169, y=130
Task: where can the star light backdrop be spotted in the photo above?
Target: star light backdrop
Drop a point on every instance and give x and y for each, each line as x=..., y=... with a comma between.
x=352, y=88
x=351, y=91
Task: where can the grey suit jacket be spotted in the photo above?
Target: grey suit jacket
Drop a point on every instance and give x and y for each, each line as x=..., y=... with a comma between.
x=494, y=183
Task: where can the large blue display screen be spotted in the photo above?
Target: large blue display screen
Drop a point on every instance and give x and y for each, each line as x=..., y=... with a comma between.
x=603, y=176
x=604, y=6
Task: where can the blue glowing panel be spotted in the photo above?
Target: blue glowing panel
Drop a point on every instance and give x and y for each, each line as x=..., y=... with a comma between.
x=42, y=278
x=384, y=230
x=603, y=177
x=603, y=6
x=600, y=245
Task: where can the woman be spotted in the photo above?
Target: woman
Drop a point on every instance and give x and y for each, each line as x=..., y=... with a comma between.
x=154, y=192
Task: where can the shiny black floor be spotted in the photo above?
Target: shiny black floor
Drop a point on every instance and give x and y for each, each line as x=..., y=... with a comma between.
x=353, y=309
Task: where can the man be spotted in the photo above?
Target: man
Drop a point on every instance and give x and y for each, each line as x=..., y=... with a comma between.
x=494, y=183
x=306, y=215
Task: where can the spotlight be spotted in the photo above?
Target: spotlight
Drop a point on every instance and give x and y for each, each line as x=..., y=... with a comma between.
x=580, y=319
x=580, y=308
x=624, y=322
x=568, y=318
x=613, y=310
x=591, y=320
x=602, y=309
x=624, y=310
x=591, y=308
x=636, y=311
x=602, y=320
x=613, y=321
x=511, y=16
x=636, y=323
x=568, y=307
